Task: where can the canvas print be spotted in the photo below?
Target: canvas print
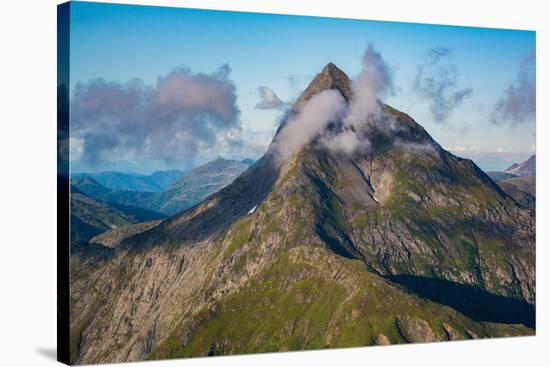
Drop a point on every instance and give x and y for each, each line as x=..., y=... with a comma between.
x=233, y=183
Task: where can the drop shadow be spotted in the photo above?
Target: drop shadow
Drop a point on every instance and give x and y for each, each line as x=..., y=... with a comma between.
x=49, y=353
x=472, y=302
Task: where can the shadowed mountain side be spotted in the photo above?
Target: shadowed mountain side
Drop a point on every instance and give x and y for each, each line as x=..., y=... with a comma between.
x=90, y=217
x=526, y=184
x=89, y=253
x=497, y=175
x=82, y=231
x=521, y=189
x=471, y=301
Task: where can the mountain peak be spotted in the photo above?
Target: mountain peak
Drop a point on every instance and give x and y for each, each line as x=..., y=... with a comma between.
x=526, y=168
x=330, y=77
x=330, y=68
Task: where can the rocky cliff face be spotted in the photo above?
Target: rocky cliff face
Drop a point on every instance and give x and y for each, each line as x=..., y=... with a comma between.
x=405, y=243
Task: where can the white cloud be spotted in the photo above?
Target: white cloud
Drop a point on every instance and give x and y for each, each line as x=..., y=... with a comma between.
x=314, y=116
x=269, y=100
x=175, y=117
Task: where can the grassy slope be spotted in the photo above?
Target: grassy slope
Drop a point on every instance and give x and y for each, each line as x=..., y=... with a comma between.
x=310, y=299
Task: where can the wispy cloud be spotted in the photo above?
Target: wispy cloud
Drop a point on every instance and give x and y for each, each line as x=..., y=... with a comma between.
x=518, y=102
x=437, y=82
x=373, y=82
x=298, y=82
x=269, y=100
x=168, y=121
x=239, y=142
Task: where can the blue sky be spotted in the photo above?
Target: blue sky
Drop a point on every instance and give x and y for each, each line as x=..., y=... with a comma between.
x=120, y=42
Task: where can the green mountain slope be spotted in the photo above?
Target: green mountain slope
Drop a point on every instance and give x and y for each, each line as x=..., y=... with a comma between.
x=407, y=243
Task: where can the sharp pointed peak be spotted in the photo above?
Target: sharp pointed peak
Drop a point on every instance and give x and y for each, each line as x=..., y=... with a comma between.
x=332, y=69
x=330, y=77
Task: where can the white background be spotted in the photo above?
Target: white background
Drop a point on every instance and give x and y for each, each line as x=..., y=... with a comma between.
x=28, y=182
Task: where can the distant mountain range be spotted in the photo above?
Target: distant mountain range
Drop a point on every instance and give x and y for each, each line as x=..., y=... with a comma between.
x=404, y=243
x=90, y=217
x=199, y=183
x=526, y=168
x=128, y=181
x=184, y=192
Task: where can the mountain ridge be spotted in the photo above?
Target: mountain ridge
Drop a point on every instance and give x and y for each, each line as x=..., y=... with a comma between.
x=90, y=217
x=129, y=181
x=182, y=193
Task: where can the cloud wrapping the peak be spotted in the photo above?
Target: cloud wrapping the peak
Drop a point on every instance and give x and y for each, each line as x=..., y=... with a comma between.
x=437, y=82
x=170, y=120
x=269, y=100
x=345, y=142
x=313, y=119
x=518, y=104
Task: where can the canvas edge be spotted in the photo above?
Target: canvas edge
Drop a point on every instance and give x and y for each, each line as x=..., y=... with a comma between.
x=63, y=202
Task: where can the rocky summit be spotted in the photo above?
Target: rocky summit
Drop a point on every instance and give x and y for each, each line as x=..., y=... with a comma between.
x=401, y=243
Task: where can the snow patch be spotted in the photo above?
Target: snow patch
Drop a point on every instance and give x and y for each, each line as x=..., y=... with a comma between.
x=373, y=192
